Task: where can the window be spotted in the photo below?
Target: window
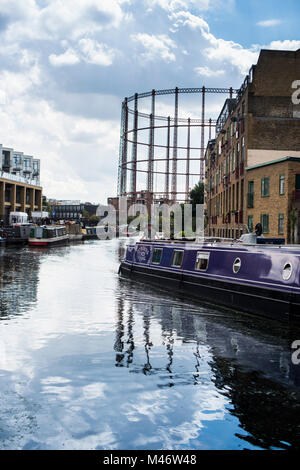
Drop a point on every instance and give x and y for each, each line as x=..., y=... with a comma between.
x=243, y=108
x=243, y=149
x=250, y=194
x=281, y=184
x=236, y=265
x=27, y=163
x=177, y=258
x=157, y=254
x=202, y=261
x=280, y=224
x=287, y=271
x=265, y=187
x=264, y=220
x=250, y=222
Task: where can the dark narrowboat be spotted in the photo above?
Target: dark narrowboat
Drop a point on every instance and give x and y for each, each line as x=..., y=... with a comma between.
x=251, y=274
x=17, y=234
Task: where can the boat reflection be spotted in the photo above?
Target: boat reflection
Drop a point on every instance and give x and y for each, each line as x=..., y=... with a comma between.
x=19, y=279
x=247, y=360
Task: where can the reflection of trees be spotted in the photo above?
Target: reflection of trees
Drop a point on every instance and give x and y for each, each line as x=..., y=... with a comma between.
x=19, y=277
x=249, y=359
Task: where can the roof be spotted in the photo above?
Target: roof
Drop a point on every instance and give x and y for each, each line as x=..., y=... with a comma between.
x=273, y=162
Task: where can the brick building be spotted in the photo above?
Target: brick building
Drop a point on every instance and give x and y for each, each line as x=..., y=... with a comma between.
x=257, y=137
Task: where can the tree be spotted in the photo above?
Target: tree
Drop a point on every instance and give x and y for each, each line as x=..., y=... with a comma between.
x=46, y=206
x=196, y=197
x=197, y=194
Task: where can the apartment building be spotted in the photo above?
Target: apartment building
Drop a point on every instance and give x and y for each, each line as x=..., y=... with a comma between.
x=257, y=146
x=20, y=188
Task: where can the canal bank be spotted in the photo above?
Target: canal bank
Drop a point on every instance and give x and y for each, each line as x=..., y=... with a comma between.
x=91, y=361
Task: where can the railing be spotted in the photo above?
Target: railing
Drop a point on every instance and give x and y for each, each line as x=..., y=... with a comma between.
x=19, y=179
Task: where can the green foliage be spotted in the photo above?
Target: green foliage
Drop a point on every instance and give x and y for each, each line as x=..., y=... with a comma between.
x=197, y=194
x=94, y=219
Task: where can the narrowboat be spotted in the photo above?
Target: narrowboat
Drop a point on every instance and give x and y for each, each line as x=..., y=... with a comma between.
x=252, y=274
x=89, y=233
x=48, y=236
x=74, y=231
x=17, y=234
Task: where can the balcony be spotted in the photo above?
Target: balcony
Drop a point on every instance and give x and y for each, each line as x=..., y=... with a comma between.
x=20, y=179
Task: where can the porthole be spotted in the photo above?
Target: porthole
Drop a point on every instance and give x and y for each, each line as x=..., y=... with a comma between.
x=236, y=265
x=287, y=271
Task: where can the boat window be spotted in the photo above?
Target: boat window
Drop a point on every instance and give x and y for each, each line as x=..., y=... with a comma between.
x=157, y=254
x=202, y=261
x=287, y=271
x=236, y=265
x=177, y=258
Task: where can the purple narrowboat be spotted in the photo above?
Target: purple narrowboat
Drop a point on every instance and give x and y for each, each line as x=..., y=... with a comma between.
x=251, y=274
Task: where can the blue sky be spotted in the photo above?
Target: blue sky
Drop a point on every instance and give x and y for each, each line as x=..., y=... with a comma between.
x=67, y=65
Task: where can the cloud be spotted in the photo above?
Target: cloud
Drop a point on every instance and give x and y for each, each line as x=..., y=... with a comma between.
x=287, y=45
x=217, y=50
x=269, y=23
x=156, y=47
x=70, y=18
x=88, y=50
x=69, y=57
x=199, y=5
x=96, y=53
x=207, y=72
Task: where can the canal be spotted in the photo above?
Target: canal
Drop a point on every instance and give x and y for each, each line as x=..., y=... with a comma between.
x=91, y=361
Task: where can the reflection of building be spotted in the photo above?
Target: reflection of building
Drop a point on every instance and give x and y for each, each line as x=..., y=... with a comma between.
x=19, y=278
x=255, y=132
x=20, y=188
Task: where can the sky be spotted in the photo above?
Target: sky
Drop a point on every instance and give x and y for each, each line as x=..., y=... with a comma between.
x=66, y=66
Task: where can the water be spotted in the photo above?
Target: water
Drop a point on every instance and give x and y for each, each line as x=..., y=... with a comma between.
x=91, y=361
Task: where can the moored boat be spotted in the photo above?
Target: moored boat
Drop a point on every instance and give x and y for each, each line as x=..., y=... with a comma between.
x=74, y=230
x=252, y=274
x=89, y=233
x=48, y=236
x=17, y=234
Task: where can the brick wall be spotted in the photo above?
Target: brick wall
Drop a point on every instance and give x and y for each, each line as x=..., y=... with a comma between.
x=274, y=204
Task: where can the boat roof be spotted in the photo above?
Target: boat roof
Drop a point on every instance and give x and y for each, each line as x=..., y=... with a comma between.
x=227, y=244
